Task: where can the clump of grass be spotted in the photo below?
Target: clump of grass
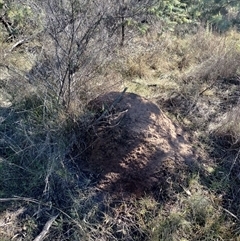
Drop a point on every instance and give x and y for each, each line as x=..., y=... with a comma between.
x=152, y=59
x=194, y=216
x=31, y=149
x=213, y=56
x=229, y=129
x=24, y=146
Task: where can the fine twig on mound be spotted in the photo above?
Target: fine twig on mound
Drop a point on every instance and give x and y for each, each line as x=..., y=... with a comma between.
x=116, y=101
x=46, y=228
x=116, y=119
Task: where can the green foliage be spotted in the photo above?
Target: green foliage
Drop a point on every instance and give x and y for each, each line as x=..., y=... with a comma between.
x=1, y=4
x=171, y=12
x=221, y=14
x=18, y=16
x=19, y=19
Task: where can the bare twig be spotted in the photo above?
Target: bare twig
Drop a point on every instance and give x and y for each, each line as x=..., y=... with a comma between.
x=207, y=88
x=198, y=96
x=116, y=101
x=7, y=25
x=46, y=228
x=227, y=211
x=234, y=162
x=26, y=199
x=19, y=43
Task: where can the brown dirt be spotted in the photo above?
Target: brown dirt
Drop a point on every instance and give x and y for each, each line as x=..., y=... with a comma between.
x=136, y=148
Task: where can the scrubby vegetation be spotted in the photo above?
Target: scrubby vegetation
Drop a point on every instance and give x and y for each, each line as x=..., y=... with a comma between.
x=57, y=57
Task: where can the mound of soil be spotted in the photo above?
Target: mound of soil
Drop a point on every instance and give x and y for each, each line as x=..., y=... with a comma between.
x=135, y=148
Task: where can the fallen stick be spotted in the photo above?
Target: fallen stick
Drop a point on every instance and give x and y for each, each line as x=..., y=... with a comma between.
x=46, y=228
x=19, y=43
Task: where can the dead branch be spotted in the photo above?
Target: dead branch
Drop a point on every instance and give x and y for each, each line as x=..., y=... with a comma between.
x=46, y=228
x=116, y=101
x=26, y=199
x=19, y=43
x=7, y=26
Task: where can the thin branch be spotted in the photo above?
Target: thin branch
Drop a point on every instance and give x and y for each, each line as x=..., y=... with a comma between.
x=26, y=199
x=19, y=43
x=46, y=228
x=234, y=162
x=7, y=25
x=227, y=211
x=116, y=101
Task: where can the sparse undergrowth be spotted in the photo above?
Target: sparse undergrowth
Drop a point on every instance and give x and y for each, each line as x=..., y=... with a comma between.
x=195, y=81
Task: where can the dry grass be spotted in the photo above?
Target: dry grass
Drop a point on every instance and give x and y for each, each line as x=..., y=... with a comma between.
x=37, y=136
x=229, y=128
x=189, y=66
x=213, y=57
x=194, y=216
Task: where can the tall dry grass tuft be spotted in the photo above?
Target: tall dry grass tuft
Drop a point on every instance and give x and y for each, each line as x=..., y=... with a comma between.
x=213, y=56
x=229, y=128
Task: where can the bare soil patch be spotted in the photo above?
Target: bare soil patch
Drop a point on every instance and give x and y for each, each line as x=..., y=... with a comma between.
x=136, y=149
